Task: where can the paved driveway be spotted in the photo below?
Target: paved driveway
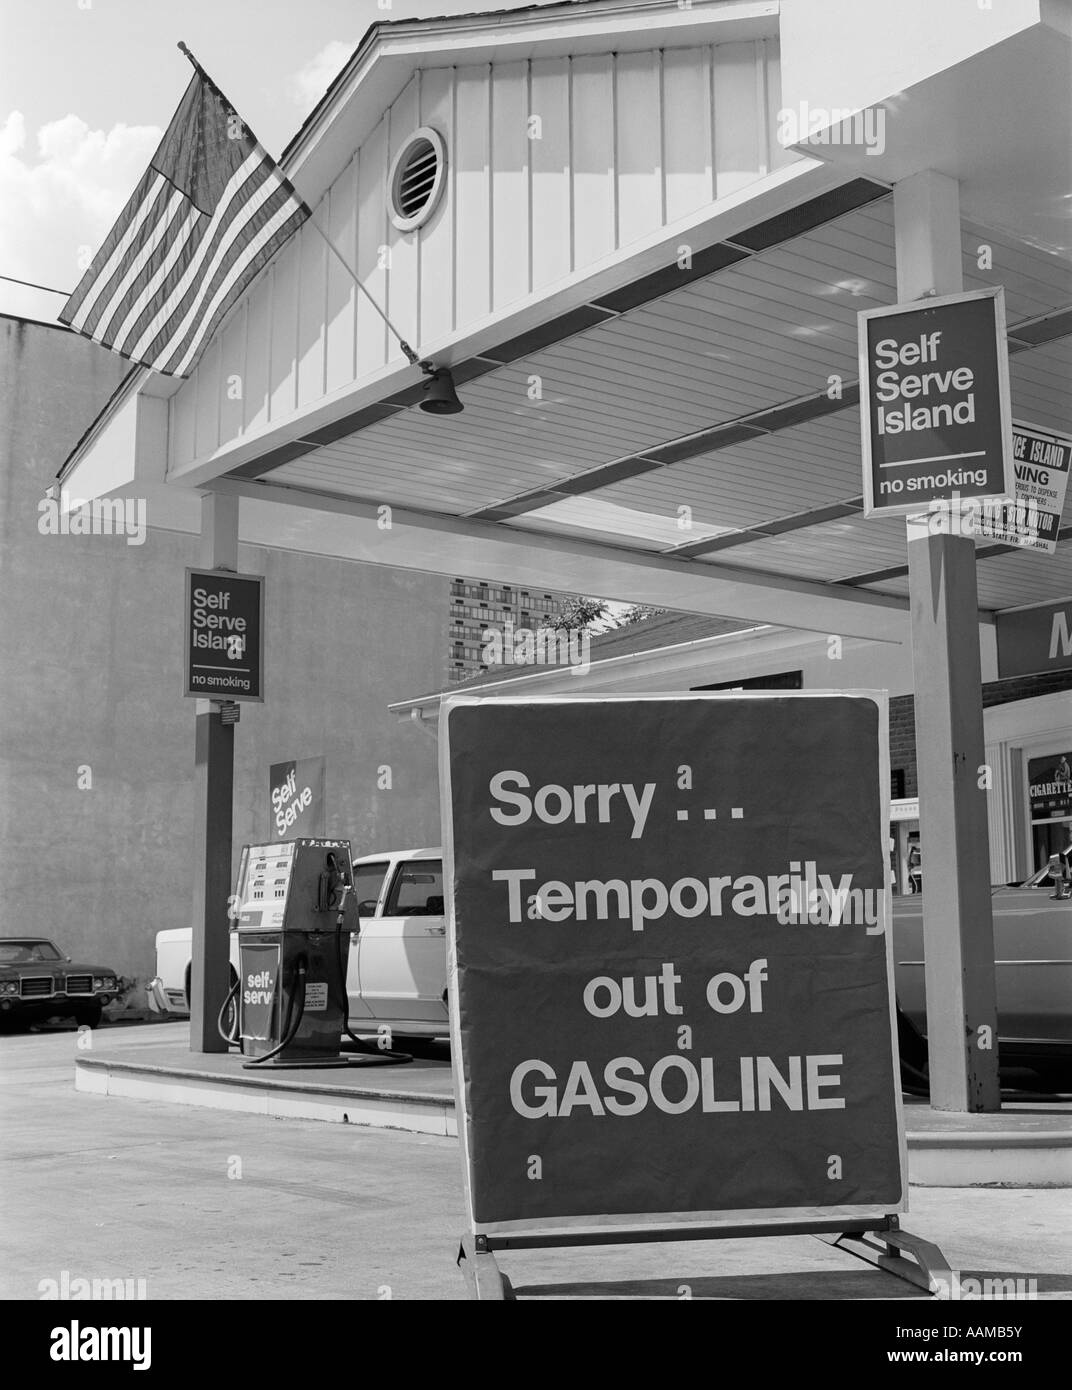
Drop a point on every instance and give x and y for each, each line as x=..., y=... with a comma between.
x=207, y=1204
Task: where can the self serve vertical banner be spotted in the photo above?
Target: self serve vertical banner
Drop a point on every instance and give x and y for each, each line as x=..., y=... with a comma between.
x=670, y=966
x=296, y=798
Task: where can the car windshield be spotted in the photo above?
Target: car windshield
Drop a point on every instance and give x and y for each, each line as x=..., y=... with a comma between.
x=27, y=952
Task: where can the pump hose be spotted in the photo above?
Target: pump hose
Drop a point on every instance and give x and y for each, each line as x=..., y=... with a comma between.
x=289, y=1028
x=362, y=1046
x=229, y=1039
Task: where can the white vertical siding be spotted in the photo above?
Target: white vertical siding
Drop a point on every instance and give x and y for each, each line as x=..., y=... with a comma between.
x=255, y=385
x=779, y=156
x=472, y=200
x=371, y=251
x=232, y=373
x=551, y=166
x=402, y=280
x=341, y=226
x=740, y=148
x=181, y=422
x=510, y=219
x=550, y=154
x=687, y=128
x=592, y=159
x=638, y=129
x=312, y=303
x=436, y=237
x=284, y=334
x=207, y=401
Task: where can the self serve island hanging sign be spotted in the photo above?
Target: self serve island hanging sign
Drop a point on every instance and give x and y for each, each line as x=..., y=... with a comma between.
x=669, y=960
x=934, y=403
x=223, y=640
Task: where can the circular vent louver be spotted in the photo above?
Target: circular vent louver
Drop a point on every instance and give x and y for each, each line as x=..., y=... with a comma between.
x=417, y=179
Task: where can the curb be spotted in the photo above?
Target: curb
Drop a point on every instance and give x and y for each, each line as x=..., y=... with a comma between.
x=979, y=1158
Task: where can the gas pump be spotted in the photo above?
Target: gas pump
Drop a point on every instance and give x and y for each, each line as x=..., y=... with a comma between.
x=296, y=910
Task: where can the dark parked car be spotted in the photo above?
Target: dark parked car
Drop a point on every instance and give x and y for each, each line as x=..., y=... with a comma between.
x=38, y=981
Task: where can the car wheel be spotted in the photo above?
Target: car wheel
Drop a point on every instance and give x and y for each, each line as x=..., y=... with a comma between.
x=912, y=1046
x=1053, y=1077
x=88, y=1015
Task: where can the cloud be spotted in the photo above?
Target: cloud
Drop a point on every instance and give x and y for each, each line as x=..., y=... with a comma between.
x=61, y=200
x=313, y=79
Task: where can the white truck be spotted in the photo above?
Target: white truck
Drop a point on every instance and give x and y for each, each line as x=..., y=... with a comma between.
x=397, y=970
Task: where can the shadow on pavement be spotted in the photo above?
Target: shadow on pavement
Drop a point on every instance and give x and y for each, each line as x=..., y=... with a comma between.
x=809, y=1286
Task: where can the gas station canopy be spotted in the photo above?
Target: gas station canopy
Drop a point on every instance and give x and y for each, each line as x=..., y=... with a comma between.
x=651, y=319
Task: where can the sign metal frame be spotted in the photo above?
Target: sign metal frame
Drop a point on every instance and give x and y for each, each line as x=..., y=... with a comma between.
x=671, y=1225
x=919, y=506
x=201, y=571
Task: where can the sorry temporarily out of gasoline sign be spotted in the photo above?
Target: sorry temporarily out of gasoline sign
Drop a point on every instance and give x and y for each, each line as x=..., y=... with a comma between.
x=223, y=641
x=672, y=978
x=934, y=403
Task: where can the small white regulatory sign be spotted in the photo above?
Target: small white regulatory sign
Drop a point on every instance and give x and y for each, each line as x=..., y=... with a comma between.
x=316, y=997
x=1041, y=464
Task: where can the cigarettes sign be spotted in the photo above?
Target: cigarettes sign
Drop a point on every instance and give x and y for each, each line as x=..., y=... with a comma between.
x=935, y=418
x=672, y=990
x=224, y=644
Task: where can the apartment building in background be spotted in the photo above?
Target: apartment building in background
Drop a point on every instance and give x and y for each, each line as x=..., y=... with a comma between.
x=478, y=606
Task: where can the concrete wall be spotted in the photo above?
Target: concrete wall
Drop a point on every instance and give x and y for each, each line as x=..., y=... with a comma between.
x=91, y=680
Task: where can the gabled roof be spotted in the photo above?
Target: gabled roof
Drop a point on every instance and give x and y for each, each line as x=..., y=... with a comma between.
x=375, y=32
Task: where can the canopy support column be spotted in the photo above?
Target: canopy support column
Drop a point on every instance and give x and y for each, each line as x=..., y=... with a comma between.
x=958, y=929
x=214, y=784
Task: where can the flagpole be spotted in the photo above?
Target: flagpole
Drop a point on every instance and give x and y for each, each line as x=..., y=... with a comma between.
x=413, y=358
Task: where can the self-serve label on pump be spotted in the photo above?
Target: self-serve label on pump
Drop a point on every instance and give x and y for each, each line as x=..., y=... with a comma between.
x=316, y=996
x=260, y=975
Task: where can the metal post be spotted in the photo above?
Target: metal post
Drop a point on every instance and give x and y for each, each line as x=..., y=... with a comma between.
x=958, y=929
x=214, y=779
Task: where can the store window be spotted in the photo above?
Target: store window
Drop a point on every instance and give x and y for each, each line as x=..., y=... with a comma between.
x=1049, y=791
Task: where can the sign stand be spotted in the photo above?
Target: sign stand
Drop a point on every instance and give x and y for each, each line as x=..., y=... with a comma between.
x=881, y=1243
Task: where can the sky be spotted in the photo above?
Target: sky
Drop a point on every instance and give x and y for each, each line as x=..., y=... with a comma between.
x=87, y=88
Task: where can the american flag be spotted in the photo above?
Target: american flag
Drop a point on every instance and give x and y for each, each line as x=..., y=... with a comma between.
x=212, y=209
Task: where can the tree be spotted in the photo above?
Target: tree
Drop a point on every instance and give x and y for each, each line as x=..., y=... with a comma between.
x=594, y=615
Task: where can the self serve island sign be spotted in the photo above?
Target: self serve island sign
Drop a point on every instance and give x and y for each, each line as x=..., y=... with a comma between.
x=224, y=642
x=669, y=960
x=934, y=403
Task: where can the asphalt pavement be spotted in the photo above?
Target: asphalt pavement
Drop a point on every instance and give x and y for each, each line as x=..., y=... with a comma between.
x=209, y=1204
